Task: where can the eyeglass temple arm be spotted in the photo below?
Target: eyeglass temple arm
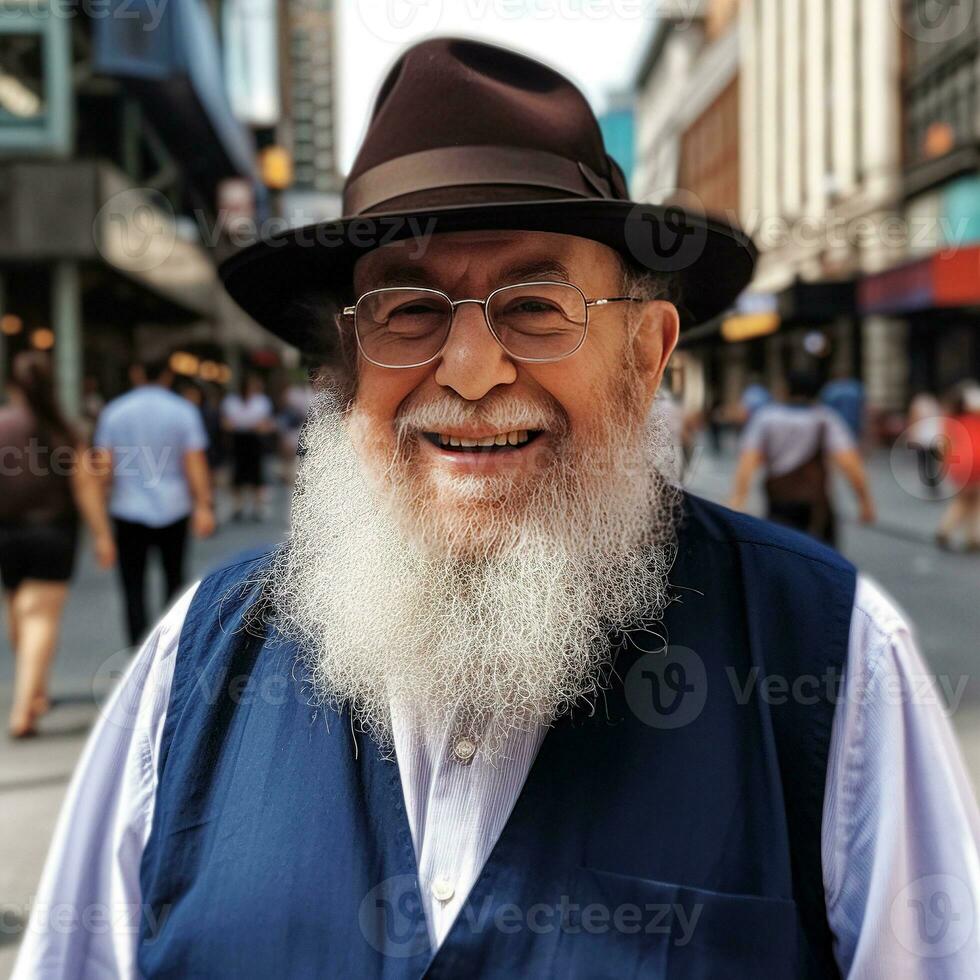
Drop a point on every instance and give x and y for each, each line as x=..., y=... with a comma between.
x=614, y=299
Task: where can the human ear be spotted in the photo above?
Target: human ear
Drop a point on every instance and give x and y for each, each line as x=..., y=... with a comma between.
x=654, y=339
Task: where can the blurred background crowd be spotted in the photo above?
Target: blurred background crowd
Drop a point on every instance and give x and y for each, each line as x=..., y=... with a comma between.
x=140, y=143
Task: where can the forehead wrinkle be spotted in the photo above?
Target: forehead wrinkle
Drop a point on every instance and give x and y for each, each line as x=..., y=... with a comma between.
x=404, y=274
x=520, y=270
x=529, y=269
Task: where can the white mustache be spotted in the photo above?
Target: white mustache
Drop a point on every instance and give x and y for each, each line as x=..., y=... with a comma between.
x=499, y=414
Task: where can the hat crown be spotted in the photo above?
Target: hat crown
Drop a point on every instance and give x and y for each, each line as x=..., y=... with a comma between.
x=447, y=97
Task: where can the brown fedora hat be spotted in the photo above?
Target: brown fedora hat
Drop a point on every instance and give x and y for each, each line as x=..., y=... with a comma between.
x=466, y=135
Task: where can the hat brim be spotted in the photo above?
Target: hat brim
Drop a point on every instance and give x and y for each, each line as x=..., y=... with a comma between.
x=713, y=259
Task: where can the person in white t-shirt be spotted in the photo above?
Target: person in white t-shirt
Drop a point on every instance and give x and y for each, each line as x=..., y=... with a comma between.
x=793, y=442
x=249, y=416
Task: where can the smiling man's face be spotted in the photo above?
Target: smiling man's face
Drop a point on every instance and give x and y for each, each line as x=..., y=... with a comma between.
x=474, y=585
x=475, y=391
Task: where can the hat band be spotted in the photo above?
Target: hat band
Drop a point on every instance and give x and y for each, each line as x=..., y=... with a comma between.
x=459, y=166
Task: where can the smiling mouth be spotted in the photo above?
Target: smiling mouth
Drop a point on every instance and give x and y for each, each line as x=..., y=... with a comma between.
x=500, y=441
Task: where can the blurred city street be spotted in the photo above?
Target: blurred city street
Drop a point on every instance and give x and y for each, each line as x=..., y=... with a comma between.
x=792, y=197
x=898, y=552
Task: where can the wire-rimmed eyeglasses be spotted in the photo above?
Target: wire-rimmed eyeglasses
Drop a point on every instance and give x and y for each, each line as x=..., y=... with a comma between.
x=537, y=322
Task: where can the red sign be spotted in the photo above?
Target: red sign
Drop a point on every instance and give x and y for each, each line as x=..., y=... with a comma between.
x=945, y=279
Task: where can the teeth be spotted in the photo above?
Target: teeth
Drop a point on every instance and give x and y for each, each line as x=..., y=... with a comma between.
x=517, y=437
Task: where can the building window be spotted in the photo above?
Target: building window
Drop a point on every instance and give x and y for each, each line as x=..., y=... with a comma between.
x=22, y=97
x=709, y=162
x=35, y=93
x=942, y=61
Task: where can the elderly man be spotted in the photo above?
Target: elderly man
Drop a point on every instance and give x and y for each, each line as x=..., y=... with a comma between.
x=507, y=702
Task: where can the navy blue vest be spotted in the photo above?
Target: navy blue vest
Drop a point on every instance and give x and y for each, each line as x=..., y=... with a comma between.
x=672, y=832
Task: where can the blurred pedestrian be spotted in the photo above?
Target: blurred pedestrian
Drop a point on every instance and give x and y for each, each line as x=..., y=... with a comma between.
x=296, y=401
x=249, y=416
x=202, y=399
x=846, y=396
x=926, y=437
x=963, y=468
x=755, y=396
x=794, y=442
x=153, y=446
x=714, y=423
x=92, y=402
x=217, y=437
x=44, y=485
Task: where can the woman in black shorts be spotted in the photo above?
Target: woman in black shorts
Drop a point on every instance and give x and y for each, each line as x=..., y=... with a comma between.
x=43, y=487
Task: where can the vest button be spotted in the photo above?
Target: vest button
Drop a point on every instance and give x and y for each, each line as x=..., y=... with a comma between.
x=442, y=889
x=464, y=749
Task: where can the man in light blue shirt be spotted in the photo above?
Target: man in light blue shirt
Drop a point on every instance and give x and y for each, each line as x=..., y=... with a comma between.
x=151, y=444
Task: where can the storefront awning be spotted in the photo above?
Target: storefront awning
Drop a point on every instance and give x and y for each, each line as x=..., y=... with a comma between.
x=946, y=279
x=169, y=52
x=754, y=315
x=748, y=326
x=813, y=302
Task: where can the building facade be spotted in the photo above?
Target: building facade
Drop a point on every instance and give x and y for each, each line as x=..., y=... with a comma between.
x=929, y=296
x=117, y=145
x=688, y=146
x=821, y=156
x=812, y=90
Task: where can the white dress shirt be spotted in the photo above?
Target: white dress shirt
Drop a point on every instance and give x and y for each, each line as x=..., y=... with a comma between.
x=900, y=847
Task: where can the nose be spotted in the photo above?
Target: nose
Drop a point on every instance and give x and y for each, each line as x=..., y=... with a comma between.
x=472, y=362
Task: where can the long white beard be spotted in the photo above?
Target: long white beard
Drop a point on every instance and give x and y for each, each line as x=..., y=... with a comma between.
x=484, y=606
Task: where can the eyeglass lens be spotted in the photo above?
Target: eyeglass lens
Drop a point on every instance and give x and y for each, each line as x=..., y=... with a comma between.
x=403, y=326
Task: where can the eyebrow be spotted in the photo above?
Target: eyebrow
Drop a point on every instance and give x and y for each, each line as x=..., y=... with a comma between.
x=522, y=271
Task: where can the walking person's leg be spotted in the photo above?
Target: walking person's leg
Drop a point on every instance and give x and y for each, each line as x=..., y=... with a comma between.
x=132, y=544
x=973, y=518
x=172, y=542
x=37, y=607
x=240, y=467
x=956, y=513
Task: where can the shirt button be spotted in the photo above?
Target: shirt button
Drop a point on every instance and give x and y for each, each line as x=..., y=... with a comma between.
x=464, y=749
x=442, y=889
